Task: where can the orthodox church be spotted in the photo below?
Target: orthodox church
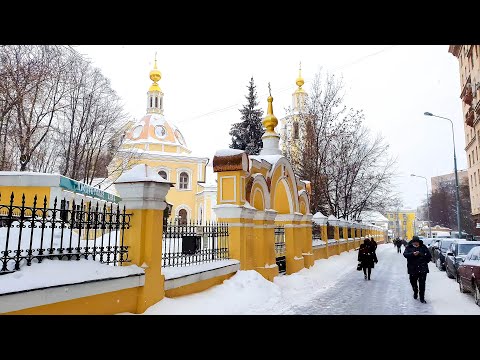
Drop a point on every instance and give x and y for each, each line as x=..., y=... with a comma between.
x=291, y=132
x=157, y=142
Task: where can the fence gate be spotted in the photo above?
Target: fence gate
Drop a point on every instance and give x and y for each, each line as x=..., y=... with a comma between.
x=280, y=249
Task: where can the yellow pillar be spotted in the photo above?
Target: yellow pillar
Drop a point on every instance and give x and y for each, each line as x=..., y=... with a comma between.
x=306, y=231
x=143, y=193
x=264, y=244
x=345, y=235
x=240, y=233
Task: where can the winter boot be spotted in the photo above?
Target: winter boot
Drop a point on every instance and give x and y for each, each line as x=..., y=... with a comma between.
x=415, y=295
x=365, y=276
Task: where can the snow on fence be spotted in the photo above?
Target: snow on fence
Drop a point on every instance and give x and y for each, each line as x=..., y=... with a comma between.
x=190, y=243
x=31, y=234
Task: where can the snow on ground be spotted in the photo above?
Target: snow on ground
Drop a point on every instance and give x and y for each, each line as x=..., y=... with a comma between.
x=57, y=272
x=331, y=286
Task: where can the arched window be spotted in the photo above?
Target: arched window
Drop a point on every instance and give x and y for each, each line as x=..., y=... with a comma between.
x=156, y=101
x=151, y=101
x=182, y=215
x=295, y=130
x=183, y=180
x=161, y=102
x=163, y=174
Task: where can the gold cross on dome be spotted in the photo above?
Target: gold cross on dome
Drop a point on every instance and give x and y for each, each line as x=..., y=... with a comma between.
x=269, y=89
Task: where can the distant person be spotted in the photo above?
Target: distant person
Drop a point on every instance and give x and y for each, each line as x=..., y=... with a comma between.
x=418, y=257
x=399, y=245
x=374, y=244
x=367, y=258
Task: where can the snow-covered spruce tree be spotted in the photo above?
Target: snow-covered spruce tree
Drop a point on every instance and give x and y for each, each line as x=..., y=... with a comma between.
x=247, y=134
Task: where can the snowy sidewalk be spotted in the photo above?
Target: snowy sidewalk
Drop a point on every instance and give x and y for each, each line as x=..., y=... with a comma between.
x=331, y=286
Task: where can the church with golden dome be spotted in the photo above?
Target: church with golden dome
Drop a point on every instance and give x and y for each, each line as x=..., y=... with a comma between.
x=291, y=130
x=157, y=142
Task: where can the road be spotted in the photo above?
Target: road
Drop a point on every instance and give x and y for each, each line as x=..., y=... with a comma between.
x=387, y=293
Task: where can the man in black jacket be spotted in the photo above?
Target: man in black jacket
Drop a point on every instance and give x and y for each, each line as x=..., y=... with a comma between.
x=418, y=257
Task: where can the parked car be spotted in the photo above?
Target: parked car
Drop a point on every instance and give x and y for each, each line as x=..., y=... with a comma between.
x=469, y=274
x=440, y=252
x=427, y=241
x=433, y=245
x=456, y=253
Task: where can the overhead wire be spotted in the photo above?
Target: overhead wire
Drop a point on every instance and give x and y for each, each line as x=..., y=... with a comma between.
x=288, y=87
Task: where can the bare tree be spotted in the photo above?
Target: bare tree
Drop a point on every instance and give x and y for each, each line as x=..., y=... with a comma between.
x=349, y=171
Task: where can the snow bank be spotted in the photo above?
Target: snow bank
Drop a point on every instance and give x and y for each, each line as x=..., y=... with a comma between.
x=240, y=294
x=56, y=272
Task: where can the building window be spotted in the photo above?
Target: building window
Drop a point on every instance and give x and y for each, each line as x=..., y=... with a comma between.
x=161, y=102
x=475, y=177
x=182, y=217
x=150, y=102
x=295, y=130
x=469, y=161
x=183, y=180
x=156, y=101
x=163, y=174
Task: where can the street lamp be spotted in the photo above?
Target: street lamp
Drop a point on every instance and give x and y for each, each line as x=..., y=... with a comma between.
x=428, y=204
x=457, y=196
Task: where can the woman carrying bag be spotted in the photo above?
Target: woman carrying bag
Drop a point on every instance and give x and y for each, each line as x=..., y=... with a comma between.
x=366, y=258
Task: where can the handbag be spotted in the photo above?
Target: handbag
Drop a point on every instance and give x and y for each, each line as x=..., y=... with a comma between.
x=359, y=266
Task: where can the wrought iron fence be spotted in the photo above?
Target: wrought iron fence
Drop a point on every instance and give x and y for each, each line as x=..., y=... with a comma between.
x=30, y=234
x=280, y=247
x=316, y=232
x=193, y=243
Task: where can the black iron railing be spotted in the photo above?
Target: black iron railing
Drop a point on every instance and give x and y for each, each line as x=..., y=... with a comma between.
x=193, y=243
x=31, y=234
x=280, y=247
x=316, y=232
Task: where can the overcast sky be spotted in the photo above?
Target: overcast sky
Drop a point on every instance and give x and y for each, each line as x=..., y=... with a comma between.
x=204, y=87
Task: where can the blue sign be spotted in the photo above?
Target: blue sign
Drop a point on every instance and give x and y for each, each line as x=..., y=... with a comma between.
x=82, y=188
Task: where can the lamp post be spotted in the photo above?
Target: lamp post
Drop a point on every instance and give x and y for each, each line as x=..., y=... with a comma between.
x=457, y=196
x=428, y=204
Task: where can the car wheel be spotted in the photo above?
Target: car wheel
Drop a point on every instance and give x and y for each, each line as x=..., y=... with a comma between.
x=449, y=274
x=462, y=289
x=439, y=264
x=476, y=293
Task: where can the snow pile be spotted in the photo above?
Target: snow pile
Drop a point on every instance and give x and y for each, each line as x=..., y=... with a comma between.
x=176, y=272
x=247, y=292
x=242, y=293
x=56, y=272
x=140, y=172
x=228, y=152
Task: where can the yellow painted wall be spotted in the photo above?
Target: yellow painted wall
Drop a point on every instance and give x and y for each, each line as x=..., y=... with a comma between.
x=197, y=287
x=29, y=191
x=409, y=228
x=103, y=304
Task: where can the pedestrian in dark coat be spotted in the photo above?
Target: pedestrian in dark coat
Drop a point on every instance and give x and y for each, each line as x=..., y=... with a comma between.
x=399, y=246
x=418, y=256
x=374, y=244
x=367, y=258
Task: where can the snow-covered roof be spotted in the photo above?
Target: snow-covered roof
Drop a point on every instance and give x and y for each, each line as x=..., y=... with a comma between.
x=372, y=216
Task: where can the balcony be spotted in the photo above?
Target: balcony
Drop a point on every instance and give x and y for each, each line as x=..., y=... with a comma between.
x=467, y=95
x=469, y=117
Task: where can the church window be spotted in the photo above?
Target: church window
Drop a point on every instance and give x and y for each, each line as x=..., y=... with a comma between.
x=156, y=101
x=161, y=102
x=163, y=174
x=183, y=180
x=295, y=130
x=151, y=100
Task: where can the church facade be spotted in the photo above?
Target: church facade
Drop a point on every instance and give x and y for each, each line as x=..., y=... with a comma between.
x=157, y=142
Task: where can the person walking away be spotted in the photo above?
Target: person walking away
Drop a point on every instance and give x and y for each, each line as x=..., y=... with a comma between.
x=418, y=257
x=399, y=246
x=374, y=244
x=367, y=258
